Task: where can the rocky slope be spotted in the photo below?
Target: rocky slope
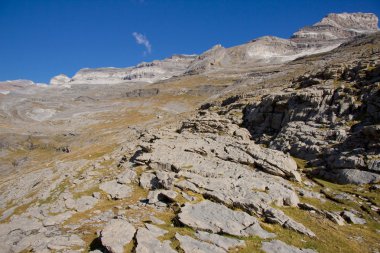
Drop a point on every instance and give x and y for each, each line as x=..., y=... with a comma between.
x=253, y=153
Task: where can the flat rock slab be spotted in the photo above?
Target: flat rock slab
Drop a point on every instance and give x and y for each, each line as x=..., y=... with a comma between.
x=116, y=234
x=63, y=242
x=277, y=246
x=210, y=216
x=57, y=219
x=147, y=241
x=220, y=241
x=116, y=190
x=81, y=204
x=191, y=245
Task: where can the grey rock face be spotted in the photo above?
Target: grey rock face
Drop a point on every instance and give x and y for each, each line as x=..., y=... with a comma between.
x=217, y=218
x=116, y=190
x=277, y=246
x=116, y=234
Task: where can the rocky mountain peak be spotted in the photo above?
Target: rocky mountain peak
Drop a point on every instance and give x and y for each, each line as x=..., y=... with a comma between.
x=336, y=27
x=359, y=21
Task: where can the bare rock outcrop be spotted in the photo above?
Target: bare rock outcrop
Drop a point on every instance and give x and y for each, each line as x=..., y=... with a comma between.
x=331, y=127
x=217, y=218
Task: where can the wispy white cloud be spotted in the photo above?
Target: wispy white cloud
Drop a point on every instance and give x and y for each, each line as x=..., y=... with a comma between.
x=143, y=40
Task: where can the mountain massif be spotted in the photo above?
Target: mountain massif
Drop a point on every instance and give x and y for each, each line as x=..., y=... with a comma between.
x=270, y=146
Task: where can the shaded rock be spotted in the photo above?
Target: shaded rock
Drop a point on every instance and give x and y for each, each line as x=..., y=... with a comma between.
x=277, y=246
x=308, y=207
x=149, y=181
x=116, y=234
x=335, y=217
x=165, y=196
x=352, y=218
x=190, y=245
x=116, y=190
x=165, y=179
x=375, y=187
x=207, y=215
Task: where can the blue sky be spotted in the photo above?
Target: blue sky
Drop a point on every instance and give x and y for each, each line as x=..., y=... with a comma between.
x=42, y=38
